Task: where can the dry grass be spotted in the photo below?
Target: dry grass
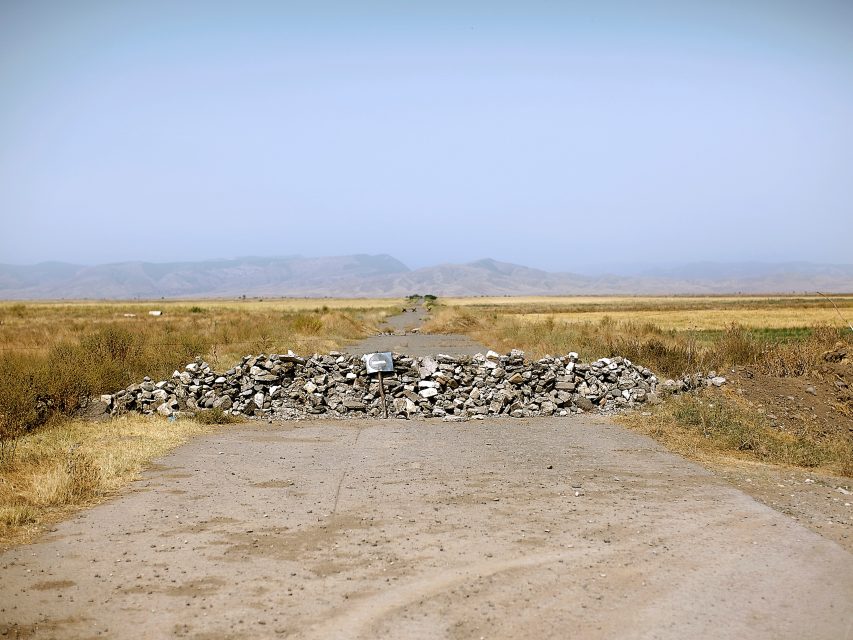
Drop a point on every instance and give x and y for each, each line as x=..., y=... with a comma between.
x=715, y=424
x=781, y=350
x=225, y=328
x=54, y=354
x=616, y=304
x=701, y=319
x=69, y=464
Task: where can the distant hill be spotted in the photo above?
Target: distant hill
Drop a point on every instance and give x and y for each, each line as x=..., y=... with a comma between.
x=382, y=275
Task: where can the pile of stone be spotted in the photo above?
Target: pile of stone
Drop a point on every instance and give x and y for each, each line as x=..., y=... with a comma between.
x=338, y=385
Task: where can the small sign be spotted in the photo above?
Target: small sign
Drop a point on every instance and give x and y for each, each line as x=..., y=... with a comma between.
x=378, y=362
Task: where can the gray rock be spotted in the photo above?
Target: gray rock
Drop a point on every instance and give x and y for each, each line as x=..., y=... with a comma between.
x=584, y=403
x=223, y=402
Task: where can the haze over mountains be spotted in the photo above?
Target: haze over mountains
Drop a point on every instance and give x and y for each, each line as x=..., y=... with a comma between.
x=383, y=275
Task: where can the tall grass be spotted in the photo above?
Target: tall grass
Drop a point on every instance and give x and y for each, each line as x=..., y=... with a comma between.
x=52, y=356
x=713, y=423
x=667, y=351
x=68, y=464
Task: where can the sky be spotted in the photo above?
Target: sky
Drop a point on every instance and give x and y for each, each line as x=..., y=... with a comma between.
x=557, y=135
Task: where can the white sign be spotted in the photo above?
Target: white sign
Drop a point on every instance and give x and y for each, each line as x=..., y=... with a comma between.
x=378, y=362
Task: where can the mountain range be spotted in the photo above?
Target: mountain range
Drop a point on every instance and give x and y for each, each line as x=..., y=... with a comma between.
x=383, y=275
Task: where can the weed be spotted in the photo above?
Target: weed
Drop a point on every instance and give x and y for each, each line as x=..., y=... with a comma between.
x=711, y=422
x=215, y=416
x=69, y=463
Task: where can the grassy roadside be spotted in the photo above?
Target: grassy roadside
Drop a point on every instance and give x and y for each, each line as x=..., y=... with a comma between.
x=69, y=464
x=714, y=423
x=54, y=354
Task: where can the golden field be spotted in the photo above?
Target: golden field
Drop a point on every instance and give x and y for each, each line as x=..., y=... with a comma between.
x=675, y=312
x=702, y=319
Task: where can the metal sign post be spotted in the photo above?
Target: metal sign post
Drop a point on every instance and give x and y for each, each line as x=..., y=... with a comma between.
x=380, y=363
x=382, y=395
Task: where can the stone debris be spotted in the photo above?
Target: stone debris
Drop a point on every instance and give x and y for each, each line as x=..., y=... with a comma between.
x=691, y=382
x=838, y=354
x=287, y=386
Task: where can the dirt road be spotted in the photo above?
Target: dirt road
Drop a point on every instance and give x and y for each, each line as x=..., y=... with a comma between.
x=547, y=528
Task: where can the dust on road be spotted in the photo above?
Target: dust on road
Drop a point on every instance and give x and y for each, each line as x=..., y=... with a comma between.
x=547, y=528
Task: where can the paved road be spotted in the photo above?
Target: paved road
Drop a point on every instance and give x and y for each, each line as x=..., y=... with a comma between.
x=399, y=338
x=546, y=528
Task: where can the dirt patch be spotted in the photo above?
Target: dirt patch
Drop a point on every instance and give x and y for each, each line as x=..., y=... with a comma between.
x=821, y=401
x=53, y=584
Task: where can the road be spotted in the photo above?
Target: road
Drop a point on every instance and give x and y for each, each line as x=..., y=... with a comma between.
x=545, y=528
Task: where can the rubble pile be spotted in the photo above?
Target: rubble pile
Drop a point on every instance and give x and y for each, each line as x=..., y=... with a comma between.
x=338, y=385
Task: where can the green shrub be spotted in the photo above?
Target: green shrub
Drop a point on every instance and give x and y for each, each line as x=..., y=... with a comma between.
x=21, y=407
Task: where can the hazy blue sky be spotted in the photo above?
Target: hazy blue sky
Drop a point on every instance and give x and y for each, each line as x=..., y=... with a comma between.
x=554, y=134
